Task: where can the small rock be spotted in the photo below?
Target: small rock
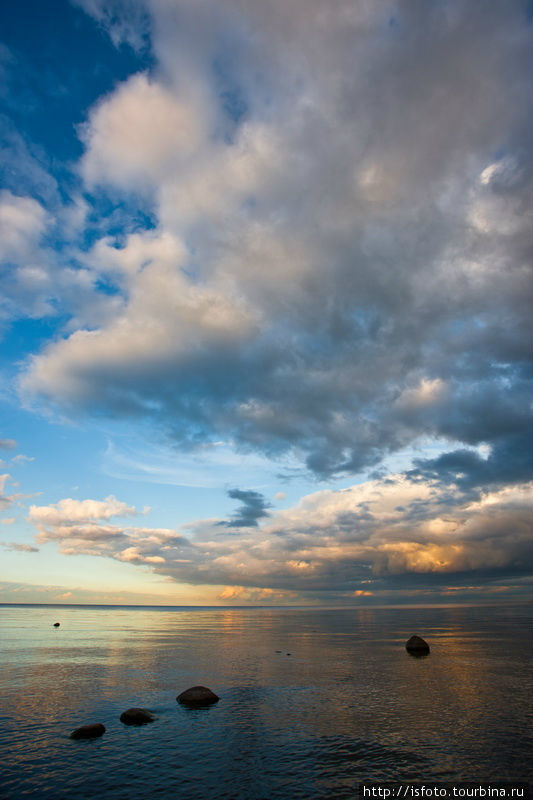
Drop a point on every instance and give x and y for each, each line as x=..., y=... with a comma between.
x=136, y=716
x=417, y=646
x=56, y=624
x=197, y=696
x=88, y=731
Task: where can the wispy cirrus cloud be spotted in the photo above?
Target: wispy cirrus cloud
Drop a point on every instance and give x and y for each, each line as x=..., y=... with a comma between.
x=19, y=547
x=125, y=22
x=5, y=500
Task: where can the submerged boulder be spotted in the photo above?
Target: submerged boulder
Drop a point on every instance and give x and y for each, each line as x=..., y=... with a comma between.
x=197, y=696
x=56, y=624
x=417, y=646
x=136, y=716
x=88, y=731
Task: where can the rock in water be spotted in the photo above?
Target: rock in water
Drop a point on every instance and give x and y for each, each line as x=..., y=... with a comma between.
x=417, y=646
x=56, y=624
x=136, y=716
x=88, y=731
x=197, y=696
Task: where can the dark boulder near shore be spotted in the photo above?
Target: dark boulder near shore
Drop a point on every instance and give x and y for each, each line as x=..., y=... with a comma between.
x=88, y=731
x=197, y=696
x=136, y=716
x=417, y=646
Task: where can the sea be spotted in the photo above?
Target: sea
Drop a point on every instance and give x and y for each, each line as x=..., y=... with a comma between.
x=312, y=701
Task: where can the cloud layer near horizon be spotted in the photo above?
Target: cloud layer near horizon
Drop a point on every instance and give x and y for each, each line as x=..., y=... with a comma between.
x=340, y=262
x=360, y=539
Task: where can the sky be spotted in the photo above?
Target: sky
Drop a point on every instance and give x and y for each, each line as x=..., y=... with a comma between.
x=266, y=301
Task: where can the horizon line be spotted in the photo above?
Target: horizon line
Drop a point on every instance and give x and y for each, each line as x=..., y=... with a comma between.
x=510, y=602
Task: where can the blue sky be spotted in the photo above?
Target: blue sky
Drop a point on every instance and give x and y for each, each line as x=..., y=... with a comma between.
x=266, y=302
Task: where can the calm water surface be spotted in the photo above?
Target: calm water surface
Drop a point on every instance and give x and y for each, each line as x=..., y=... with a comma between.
x=348, y=704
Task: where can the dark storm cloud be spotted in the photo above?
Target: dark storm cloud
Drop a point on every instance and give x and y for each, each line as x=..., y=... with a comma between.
x=254, y=506
x=509, y=461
